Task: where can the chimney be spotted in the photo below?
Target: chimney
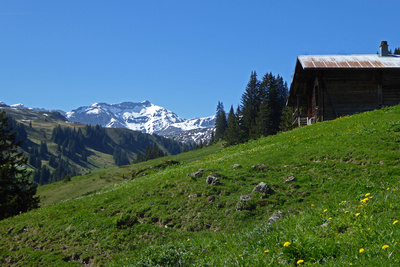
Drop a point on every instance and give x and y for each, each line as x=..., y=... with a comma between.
x=384, y=51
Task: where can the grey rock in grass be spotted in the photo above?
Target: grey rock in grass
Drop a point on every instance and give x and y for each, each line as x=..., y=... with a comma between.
x=264, y=189
x=235, y=166
x=275, y=217
x=288, y=179
x=245, y=203
x=199, y=173
x=211, y=180
x=260, y=167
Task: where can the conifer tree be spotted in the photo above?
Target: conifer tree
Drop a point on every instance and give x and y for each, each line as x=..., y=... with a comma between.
x=250, y=103
x=286, y=119
x=220, y=122
x=17, y=192
x=232, y=135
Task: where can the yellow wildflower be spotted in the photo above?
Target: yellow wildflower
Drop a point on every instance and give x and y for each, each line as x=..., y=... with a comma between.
x=241, y=255
x=365, y=200
x=396, y=221
x=388, y=188
x=325, y=210
x=300, y=261
x=357, y=214
x=266, y=251
x=385, y=246
x=329, y=218
x=312, y=205
x=361, y=250
x=188, y=240
x=346, y=211
x=369, y=229
x=367, y=194
x=286, y=244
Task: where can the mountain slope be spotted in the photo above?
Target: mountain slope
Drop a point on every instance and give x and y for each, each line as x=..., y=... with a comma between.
x=145, y=117
x=56, y=147
x=335, y=184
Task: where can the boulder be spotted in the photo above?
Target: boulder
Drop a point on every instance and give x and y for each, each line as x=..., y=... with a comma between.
x=275, y=217
x=211, y=180
x=199, y=173
x=288, y=179
x=264, y=189
x=245, y=203
x=235, y=166
x=260, y=167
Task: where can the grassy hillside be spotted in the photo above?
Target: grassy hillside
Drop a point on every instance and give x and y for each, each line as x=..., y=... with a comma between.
x=342, y=208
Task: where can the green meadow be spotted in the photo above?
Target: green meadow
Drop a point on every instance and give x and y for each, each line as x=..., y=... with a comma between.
x=342, y=207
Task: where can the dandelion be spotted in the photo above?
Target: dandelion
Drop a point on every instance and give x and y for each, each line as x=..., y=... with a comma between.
x=396, y=221
x=240, y=255
x=286, y=244
x=357, y=214
x=312, y=205
x=388, y=188
x=325, y=210
x=188, y=240
x=300, y=261
x=365, y=200
x=367, y=194
x=346, y=211
x=385, y=246
x=266, y=251
x=330, y=218
x=369, y=229
x=361, y=250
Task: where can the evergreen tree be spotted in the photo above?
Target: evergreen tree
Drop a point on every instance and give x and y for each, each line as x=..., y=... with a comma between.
x=250, y=104
x=139, y=158
x=232, y=135
x=17, y=192
x=273, y=103
x=264, y=122
x=220, y=122
x=397, y=51
x=286, y=119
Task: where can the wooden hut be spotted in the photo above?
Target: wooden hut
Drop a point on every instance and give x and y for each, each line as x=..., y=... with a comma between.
x=326, y=87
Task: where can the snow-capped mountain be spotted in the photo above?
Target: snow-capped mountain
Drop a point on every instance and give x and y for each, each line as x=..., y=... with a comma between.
x=145, y=117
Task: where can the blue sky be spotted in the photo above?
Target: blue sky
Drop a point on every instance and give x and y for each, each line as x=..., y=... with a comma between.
x=182, y=55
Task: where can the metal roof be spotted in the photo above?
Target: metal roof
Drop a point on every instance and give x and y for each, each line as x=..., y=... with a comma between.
x=349, y=61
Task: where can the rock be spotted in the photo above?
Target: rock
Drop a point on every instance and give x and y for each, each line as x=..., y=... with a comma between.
x=199, y=173
x=275, y=217
x=245, y=203
x=235, y=166
x=260, y=167
x=264, y=189
x=211, y=180
x=288, y=179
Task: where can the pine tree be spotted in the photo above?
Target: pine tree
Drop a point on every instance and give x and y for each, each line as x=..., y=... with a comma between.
x=264, y=123
x=286, y=119
x=232, y=135
x=250, y=104
x=220, y=122
x=17, y=192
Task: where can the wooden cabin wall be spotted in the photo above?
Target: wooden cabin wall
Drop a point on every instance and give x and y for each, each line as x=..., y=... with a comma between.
x=391, y=88
x=349, y=92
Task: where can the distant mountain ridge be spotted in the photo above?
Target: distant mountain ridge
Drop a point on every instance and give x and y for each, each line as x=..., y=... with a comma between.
x=144, y=117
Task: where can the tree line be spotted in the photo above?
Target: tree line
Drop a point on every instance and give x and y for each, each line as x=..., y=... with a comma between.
x=261, y=111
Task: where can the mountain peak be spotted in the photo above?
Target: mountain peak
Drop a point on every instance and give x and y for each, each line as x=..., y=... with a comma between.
x=143, y=116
